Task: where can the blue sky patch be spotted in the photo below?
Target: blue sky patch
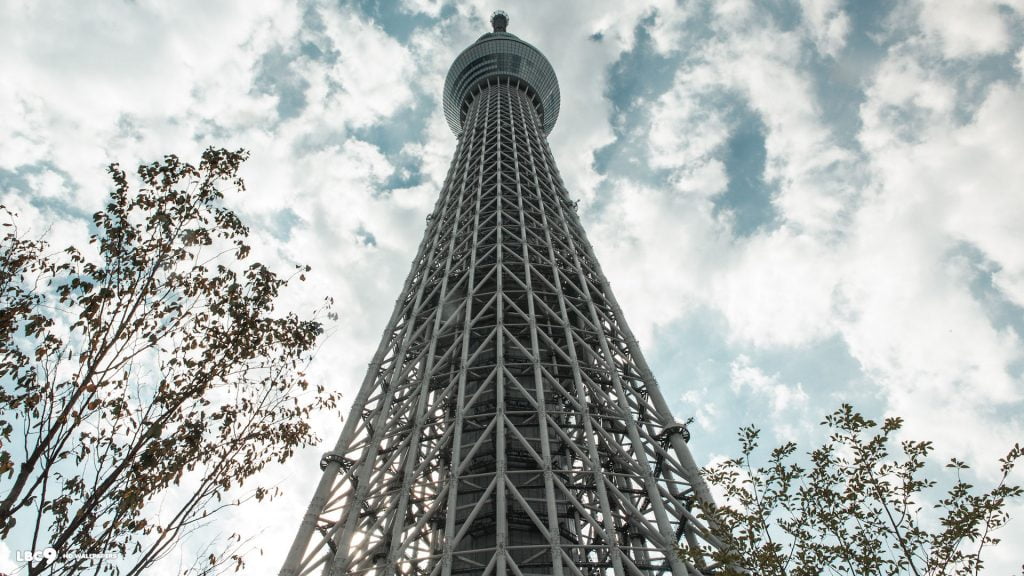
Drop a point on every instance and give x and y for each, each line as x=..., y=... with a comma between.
x=275, y=76
x=365, y=237
x=397, y=21
x=641, y=73
x=283, y=222
x=1001, y=312
x=18, y=181
x=748, y=198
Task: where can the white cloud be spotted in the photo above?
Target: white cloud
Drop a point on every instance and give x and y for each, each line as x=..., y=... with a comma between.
x=368, y=87
x=760, y=66
x=865, y=245
x=776, y=288
x=71, y=77
x=913, y=322
x=977, y=166
x=778, y=292
x=827, y=24
x=668, y=29
x=788, y=403
x=812, y=171
x=431, y=8
x=966, y=28
x=705, y=413
x=654, y=247
x=747, y=377
x=7, y=564
x=686, y=128
x=731, y=15
x=57, y=229
x=905, y=102
x=49, y=184
x=26, y=141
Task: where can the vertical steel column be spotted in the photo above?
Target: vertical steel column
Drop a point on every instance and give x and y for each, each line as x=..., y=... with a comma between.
x=501, y=462
x=456, y=459
x=538, y=379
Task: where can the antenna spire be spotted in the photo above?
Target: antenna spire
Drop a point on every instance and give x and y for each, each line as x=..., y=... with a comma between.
x=499, y=21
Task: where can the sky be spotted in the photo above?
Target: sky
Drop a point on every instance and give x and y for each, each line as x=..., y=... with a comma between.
x=797, y=203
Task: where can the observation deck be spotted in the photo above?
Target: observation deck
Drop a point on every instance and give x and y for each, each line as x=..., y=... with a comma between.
x=499, y=55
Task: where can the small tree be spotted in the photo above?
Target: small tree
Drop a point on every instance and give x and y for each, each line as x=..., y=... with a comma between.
x=159, y=361
x=857, y=510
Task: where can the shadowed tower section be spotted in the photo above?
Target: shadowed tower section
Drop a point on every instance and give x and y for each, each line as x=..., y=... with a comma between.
x=508, y=423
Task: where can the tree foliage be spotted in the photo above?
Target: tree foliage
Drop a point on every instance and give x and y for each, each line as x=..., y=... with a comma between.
x=148, y=363
x=859, y=508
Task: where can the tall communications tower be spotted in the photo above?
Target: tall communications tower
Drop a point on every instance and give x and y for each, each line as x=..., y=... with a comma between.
x=508, y=423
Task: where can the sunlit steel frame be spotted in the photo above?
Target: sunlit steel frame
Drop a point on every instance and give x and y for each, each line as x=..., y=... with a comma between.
x=508, y=423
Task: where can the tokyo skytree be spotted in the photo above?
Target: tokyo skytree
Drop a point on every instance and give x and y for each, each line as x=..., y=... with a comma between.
x=508, y=423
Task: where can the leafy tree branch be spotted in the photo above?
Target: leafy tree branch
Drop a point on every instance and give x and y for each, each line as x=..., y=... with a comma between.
x=155, y=356
x=856, y=510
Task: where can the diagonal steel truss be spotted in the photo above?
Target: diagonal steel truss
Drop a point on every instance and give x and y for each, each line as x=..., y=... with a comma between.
x=508, y=423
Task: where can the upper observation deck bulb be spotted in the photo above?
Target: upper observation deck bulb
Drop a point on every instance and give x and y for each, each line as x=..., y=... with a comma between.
x=497, y=57
x=499, y=21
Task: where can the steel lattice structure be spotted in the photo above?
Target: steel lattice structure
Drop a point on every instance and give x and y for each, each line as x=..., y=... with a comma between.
x=508, y=423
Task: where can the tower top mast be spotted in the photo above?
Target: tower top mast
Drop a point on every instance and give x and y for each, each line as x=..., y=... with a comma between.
x=499, y=21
